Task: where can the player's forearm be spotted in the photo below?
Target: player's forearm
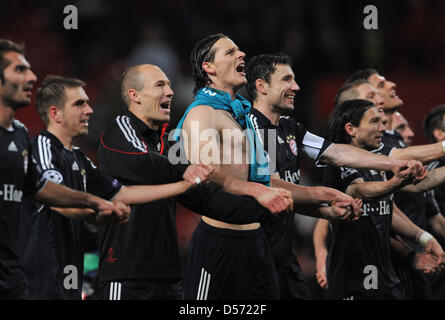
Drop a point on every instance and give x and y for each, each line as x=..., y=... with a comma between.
x=400, y=247
x=236, y=186
x=149, y=193
x=345, y=155
x=438, y=224
x=80, y=214
x=403, y=226
x=53, y=194
x=424, y=153
x=319, y=238
x=306, y=195
x=433, y=179
x=371, y=190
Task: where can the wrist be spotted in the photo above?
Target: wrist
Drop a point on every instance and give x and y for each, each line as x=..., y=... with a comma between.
x=394, y=183
x=424, y=238
x=254, y=189
x=443, y=146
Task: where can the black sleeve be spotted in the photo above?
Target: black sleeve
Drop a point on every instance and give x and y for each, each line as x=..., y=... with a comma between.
x=339, y=177
x=212, y=201
x=116, y=158
x=34, y=181
x=99, y=183
x=431, y=205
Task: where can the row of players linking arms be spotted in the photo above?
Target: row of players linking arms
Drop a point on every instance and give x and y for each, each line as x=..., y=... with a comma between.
x=373, y=210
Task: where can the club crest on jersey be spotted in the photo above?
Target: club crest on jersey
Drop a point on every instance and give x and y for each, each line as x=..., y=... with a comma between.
x=292, y=144
x=25, y=160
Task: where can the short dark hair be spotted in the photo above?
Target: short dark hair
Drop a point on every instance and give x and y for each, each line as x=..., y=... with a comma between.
x=434, y=120
x=348, y=91
x=262, y=67
x=349, y=111
x=363, y=74
x=203, y=52
x=52, y=93
x=5, y=47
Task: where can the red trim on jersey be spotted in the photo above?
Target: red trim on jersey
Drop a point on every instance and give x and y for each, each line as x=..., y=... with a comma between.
x=120, y=151
x=164, y=127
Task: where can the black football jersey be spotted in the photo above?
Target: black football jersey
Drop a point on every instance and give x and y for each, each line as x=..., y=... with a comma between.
x=55, y=241
x=19, y=177
x=361, y=243
x=285, y=145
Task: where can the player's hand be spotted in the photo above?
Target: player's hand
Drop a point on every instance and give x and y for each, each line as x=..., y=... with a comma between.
x=425, y=262
x=403, y=174
x=345, y=207
x=320, y=270
x=435, y=249
x=276, y=200
x=111, y=212
x=197, y=173
x=419, y=171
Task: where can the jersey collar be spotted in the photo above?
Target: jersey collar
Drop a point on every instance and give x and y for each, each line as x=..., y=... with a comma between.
x=54, y=140
x=262, y=119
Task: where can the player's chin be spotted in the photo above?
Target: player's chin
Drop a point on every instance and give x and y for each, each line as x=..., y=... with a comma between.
x=83, y=132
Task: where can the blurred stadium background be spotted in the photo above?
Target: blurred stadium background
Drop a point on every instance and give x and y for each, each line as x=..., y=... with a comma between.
x=325, y=38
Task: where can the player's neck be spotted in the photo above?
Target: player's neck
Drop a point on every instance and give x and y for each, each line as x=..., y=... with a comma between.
x=152, y=124
x=229, y=89
x=6, y=116
x=64, y=138
x=268, y=111
x=139, y=113
x=389, y=121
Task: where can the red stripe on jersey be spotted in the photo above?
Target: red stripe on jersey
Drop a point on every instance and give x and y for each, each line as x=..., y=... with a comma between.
x=120, y=151
x=164, y=127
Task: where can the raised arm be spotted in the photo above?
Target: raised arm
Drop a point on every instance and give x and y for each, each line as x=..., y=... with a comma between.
x=434, y=178
x=345, y=155
x=349, y=156
x=424, y=153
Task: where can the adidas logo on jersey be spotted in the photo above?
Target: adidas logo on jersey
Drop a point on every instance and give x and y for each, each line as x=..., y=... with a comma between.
x=75, y=167
x=12, y=147
x=280, y=140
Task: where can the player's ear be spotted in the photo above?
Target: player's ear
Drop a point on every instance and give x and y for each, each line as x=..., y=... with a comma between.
x=261, y=86
x=54, y=113
x=208, y=67
x=133, y=95
x=439, y=134
x=350, y=129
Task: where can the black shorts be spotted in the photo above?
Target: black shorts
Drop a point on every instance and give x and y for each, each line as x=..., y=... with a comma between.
x=139, y=290
x=293, y=286
x=225, y=264
x=19, y=293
